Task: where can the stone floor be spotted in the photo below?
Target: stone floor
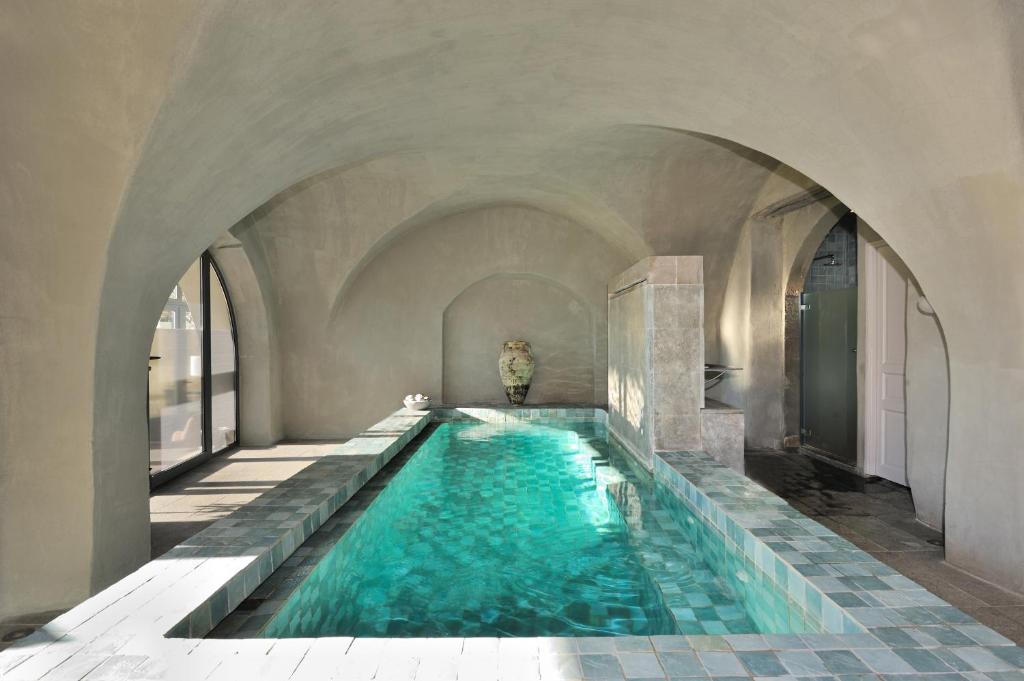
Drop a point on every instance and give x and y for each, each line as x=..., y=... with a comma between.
x=878, y=516
x=213, y=490
x=199, y=497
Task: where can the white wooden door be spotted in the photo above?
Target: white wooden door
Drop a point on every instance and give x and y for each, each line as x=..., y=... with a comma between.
x=885, y=365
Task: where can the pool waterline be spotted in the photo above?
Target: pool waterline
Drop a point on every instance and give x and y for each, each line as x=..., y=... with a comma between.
x=468, y=527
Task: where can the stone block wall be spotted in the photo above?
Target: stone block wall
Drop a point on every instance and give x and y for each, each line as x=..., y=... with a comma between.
x=656, y=355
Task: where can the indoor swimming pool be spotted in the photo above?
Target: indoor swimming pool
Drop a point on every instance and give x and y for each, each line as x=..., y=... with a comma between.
x=544, y=528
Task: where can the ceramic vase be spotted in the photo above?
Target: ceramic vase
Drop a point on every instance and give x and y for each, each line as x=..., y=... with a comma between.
x=515, y=366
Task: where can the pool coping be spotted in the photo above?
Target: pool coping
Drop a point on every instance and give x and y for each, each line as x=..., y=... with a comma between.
x=135, y=627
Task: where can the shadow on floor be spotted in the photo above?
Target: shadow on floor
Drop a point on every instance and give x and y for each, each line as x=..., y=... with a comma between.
x=164, y=536
x=218, y=487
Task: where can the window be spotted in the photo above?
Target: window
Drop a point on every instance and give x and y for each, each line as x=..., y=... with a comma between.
x=193, y=374
x=223, y=368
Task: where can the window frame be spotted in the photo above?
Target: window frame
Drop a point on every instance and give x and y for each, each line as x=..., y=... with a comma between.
x=207, y=265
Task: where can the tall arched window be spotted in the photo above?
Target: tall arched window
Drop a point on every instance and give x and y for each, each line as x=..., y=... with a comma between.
x=193, y=374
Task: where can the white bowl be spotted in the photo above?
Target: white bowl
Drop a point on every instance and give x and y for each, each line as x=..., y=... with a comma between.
x=416, y=405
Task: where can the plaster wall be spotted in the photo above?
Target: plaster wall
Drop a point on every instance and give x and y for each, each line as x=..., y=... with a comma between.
x=570, y=369
x=72, y=520
x=435, y=304
x=642, y=189
x=765, y=372
x=735, y=329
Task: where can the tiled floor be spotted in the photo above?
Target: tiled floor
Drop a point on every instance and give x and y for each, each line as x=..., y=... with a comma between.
x=878, y=516
x=213, y=490
x=201, y=496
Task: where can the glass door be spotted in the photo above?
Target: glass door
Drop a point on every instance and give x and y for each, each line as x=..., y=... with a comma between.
x=176, y=375
x=829, y=403
x=223, y=367
x=193, y=374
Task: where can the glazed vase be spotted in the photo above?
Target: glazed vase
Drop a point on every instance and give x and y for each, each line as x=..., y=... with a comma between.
x=515, y=366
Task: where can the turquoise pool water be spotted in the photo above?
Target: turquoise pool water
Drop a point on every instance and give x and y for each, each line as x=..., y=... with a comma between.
x=530, y=530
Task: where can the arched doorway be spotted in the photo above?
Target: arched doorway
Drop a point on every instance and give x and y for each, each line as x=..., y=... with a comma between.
x=874, y=369
x=193, y=374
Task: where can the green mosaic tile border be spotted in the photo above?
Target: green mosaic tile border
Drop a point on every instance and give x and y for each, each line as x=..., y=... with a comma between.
x=853, y=593
x=743, y=496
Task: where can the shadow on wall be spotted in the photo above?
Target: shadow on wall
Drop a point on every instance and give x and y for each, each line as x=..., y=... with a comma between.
x=509, y=306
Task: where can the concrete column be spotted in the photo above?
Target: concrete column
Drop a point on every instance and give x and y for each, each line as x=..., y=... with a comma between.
x=656, y=355
x=765, y=372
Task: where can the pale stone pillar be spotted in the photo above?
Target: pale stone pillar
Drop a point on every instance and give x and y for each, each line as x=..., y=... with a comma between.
x=656, y=355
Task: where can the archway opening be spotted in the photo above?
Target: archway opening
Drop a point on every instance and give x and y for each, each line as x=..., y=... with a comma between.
x=867, y=391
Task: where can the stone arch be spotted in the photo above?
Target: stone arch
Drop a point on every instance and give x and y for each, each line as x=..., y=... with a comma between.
x=120, y=474
x=390, y=330
x=209, y=160
x=123, y=290
x=928, y=415
x=190, y=129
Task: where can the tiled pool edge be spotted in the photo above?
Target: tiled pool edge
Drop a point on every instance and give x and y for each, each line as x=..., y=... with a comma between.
x=672, y=468
x=120, y=631
x=755, y=573
x=520, y=414
x=859, y=593
x=298, y=512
